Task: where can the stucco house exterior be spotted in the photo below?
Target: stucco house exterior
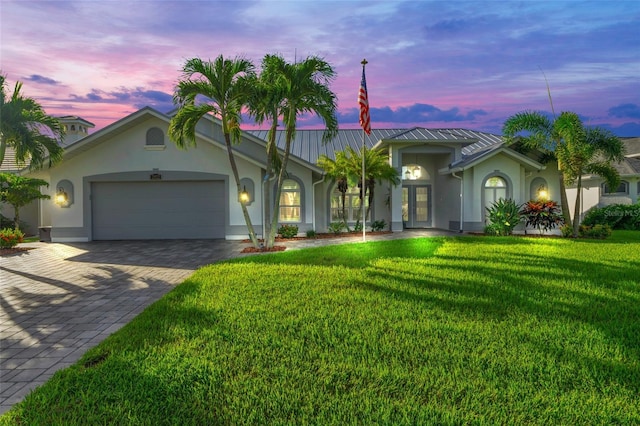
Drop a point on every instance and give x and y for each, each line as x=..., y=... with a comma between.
x=130, y=181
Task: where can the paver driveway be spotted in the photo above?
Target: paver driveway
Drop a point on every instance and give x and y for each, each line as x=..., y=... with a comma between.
x=58, y=300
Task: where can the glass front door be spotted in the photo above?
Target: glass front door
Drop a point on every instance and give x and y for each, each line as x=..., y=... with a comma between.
x=416, y=206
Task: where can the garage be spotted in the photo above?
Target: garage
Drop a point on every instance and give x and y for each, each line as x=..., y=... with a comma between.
x=158, y=210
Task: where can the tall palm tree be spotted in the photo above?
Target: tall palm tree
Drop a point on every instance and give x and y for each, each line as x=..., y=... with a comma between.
x=27, y=129
x=536, y=131
x=303, y=87
x=377, y=169
x=337, y=171
x=218, y=87
x=577, y=150
x=586, y=151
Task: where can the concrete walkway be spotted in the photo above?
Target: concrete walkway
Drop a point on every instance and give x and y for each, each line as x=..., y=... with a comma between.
x=59, y=300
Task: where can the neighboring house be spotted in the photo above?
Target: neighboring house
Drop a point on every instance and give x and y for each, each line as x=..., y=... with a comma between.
x=129, y=181
x=596, y=193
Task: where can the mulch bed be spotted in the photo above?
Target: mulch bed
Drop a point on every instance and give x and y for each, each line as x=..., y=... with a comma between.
x=14, y=251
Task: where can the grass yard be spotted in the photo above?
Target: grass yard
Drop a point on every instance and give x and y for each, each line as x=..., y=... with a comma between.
x=469, y=330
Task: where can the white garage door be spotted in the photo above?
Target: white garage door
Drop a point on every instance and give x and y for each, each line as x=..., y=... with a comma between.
x=158, y=210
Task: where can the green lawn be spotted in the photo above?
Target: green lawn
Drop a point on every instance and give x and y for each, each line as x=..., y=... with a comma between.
x=469, y=330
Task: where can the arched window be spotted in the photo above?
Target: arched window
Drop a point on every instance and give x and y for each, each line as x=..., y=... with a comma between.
x=495, y=187
x=351, y=205
x=290, y=202
x=623, y=188
x=155, y=137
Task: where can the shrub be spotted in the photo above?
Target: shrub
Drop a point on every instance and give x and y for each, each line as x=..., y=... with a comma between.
x=336, y=227
x=10, y=237
x=357, y=227
x=617, y=216
x=595, y=231
x=542, y=215
x=288, y=231
x=378, y=225
x=567, y=230
x=503, y=216
x=311, y=233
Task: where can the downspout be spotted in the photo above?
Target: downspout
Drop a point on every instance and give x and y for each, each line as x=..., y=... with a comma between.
x=313, y=202
x=461, y=199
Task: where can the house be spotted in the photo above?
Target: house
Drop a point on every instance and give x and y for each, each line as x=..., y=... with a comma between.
x=596, y=193
x=130, y=181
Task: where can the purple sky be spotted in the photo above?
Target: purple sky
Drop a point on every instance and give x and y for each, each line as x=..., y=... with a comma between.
x=431, y=63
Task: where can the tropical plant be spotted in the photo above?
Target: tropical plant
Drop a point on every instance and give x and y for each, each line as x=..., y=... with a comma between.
x=378, y=225
x=221, y=88
x=10, y=237
x=542, y=215
x=18, y=191
x=336, y=227
x=577, y=150
x=293, y=89
x=503, y=216
x=596, y=231
x=27, y=129
x=377, y=169
x=337, y=171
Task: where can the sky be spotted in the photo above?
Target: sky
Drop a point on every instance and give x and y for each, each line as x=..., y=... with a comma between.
x=434, y=64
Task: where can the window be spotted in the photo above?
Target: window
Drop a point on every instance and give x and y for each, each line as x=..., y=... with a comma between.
x=495, y=188
x=623, y=188
x=414, y=172
x=155, y=137
x=351, y=205
x=290, y=202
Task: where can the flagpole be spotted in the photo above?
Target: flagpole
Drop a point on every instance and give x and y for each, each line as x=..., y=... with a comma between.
x=364, y=188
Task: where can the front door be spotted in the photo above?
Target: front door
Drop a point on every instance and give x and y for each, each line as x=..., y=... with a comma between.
x=416, y=206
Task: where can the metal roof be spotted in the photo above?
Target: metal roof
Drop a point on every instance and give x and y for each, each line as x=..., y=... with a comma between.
x=308, y=144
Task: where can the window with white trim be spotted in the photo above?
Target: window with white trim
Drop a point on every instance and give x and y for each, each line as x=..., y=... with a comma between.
x=290, y=202
x=623, y=188
x=351, y=205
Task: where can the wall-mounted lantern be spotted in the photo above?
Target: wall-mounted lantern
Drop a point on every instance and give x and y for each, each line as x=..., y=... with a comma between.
x=247, y=195
x=64, y=193
x=244, y=196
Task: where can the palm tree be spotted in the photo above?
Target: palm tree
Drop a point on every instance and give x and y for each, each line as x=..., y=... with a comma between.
x=586, y=151
x=27, y=129
x=577, y=150
x=538, y=134
x=18, y=191
x=302, y=87
x=337, y=171
x=377, y=169
x=222, y=85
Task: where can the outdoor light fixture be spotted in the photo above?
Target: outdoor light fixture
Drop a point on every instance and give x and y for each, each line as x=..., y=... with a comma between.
x=62, y=198
x=543, y=194
x=244, y=196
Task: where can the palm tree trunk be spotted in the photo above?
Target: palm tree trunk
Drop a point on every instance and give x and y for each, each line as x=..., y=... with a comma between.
x=280, y=181
x=236, y=176
x=576, y=210
x=564, y=203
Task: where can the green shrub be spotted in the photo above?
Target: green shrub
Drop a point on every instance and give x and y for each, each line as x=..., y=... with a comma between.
x=10, y=237
x=595, y=231
x=311, y=233
x=336, y=227
x=542, y=215
x=288, y=231
x=567, y=230
x=617, y=216
x=378, y=225
x=357, y=227
x=503, y=216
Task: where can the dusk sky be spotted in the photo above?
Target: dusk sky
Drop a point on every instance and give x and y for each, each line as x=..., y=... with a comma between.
x=435, y=64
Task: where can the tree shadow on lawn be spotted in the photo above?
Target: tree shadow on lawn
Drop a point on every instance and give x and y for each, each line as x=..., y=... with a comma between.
x=608, y=300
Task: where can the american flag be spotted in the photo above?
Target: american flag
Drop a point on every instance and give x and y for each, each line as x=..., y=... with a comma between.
x=363, y=101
